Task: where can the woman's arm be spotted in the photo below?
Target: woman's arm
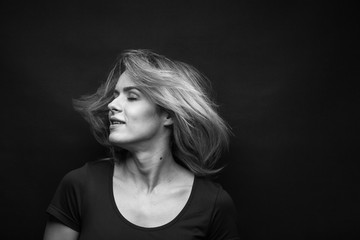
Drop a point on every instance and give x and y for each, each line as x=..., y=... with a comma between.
x=55, y=230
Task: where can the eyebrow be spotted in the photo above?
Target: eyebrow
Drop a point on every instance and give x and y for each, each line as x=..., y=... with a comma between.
x=127, y=89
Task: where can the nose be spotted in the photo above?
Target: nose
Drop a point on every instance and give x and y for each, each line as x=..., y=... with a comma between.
x=115, y=106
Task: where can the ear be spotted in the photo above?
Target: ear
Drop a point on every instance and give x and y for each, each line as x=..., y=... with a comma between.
x=168, y=121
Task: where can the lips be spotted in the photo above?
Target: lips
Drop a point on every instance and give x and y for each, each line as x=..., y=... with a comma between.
x=115, y=121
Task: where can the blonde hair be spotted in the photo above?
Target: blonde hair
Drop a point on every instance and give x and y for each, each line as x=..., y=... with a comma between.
x=199, y=134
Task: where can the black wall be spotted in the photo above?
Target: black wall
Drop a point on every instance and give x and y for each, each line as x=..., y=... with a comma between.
x=282, y=74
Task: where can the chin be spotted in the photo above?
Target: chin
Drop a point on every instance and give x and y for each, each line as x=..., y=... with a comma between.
x=118, y=141
x=115, y=140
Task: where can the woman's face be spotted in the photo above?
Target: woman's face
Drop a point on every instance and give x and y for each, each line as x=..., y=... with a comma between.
x=134, y=120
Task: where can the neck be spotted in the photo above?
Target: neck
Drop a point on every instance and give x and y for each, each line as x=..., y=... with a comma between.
x=150, y=169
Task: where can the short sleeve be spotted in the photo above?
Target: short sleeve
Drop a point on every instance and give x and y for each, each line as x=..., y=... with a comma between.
x=67, y=201
x=224, y=218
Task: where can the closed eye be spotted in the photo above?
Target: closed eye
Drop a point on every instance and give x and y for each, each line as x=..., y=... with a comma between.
x=132, y=97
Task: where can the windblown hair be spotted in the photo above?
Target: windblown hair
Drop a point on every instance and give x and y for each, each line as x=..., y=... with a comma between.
x=199, y=134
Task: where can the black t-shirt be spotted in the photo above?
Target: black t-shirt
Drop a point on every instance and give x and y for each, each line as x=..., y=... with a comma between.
x=84, y=201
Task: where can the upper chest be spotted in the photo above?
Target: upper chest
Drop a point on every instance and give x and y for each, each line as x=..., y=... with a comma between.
x=151, y=209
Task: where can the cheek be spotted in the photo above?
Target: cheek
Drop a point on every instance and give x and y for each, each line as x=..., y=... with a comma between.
x=141, y=114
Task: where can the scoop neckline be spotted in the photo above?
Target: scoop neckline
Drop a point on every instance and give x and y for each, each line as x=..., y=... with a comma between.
x=119, y=214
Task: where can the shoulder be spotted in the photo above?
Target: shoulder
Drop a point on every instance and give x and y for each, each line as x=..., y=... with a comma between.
x=75, y=187
x=74, y=177
x=80, y=175
x=216, y=208
x=98, y=166
x=215, y=196
x=208, y=187
x=222, y=210
x=213, y=193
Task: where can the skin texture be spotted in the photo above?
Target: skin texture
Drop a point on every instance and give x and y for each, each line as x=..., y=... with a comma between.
x=55, y=230
x=144, y=123
x=150, y=188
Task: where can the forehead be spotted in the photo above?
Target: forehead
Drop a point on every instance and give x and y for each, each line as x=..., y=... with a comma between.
x=124, y=81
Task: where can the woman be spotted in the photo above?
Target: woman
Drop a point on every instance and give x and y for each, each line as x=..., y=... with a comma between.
x=165, y=137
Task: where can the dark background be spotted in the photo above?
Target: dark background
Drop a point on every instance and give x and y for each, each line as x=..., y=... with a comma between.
x=282, y=73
